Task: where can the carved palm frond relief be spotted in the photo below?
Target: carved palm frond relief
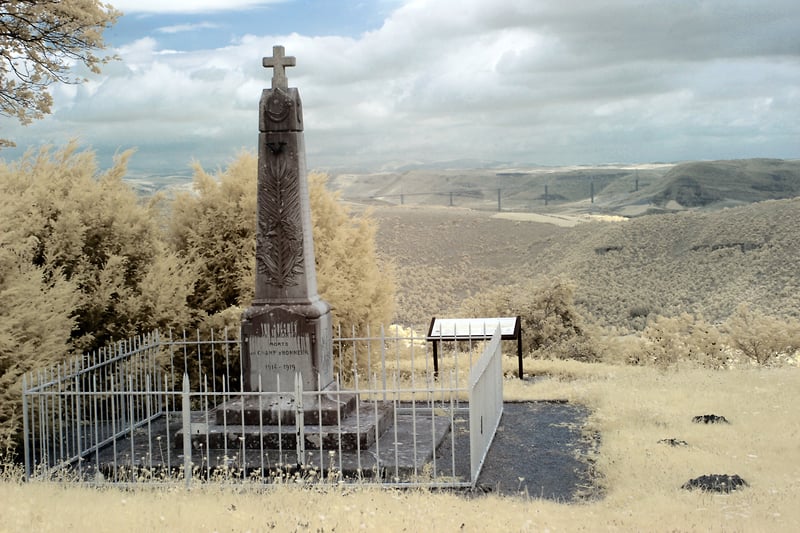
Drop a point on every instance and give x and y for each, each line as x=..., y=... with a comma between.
x=279, y=246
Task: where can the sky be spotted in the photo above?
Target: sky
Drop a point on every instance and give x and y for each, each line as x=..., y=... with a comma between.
x=391, y=82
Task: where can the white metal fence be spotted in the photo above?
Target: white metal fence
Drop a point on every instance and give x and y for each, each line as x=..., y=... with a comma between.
x=161, y=408
x=485, y=401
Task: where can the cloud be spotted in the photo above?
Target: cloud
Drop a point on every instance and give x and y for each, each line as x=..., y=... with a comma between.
x=547, y=81
x=188, y=6
x=182, y=28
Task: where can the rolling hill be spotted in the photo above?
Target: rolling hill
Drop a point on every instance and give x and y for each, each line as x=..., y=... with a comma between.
x=705, y=262
x=629, y=190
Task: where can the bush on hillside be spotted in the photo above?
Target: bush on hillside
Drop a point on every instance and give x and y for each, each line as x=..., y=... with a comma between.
x=686, y=338
x=761, y=338
x=551, y=325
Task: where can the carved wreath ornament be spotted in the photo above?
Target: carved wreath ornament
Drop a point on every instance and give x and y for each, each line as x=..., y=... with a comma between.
x=279, y=244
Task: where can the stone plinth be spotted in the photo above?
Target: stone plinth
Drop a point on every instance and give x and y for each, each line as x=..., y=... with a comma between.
x=357, y=431
x=278, y=342
x=330, y=408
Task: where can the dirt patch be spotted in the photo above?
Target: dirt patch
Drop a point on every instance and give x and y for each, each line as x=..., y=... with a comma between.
x=723, y=483
x=564, y=221
x=561, y=220
x=540, y=451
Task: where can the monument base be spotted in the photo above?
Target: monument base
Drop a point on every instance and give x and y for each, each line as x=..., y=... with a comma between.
x=281, y=341
x=327, y=408
x=359, y=429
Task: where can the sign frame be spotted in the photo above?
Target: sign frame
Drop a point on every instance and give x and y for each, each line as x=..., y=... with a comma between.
x=466, y=329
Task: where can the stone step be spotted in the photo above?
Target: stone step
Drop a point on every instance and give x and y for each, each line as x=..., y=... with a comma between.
x=356, y=431
x=329, y=407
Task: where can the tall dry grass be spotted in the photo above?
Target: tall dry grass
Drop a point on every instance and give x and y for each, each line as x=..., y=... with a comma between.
x=632, y=409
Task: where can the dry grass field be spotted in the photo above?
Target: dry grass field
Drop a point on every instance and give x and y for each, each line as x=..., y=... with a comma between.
x=632, y=409
x=444, y=255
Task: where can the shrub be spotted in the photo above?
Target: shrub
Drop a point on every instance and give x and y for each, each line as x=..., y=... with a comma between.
x=551, y=325
x=762, y=338
x=351, y=277
x=213, y=228
x=35, y=326
x=82, y=262
x=684, y=338
x=92, y=229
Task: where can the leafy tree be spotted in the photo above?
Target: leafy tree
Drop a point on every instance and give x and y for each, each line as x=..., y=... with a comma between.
x=82, y=262
x=685, y=338
x=35, y=323
x=351, y=277
x=40, y=42
x=760, y=337
x=91, y=228
x=214, y=227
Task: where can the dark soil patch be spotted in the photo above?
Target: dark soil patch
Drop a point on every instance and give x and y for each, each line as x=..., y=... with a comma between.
x=540, y=450
x=710, y=419
x=716, y=483
x=673, y=442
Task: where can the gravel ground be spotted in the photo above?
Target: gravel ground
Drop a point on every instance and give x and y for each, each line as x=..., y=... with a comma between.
x=539, y=450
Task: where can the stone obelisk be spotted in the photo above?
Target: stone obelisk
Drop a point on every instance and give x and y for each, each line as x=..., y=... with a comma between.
x=287, y=330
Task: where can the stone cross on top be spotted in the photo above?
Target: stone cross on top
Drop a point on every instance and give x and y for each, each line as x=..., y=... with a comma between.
x=279, y=62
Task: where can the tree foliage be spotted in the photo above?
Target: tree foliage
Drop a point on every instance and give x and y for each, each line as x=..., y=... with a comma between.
x=761, y=338
x=36, y=323
x=213, y=228
x=40, y=42
x=682, y=339
x=82, y=262
x=91, y=229
x=351, y=277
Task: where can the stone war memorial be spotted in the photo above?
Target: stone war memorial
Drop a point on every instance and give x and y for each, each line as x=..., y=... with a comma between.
x=165, y=405
x=288, y=328
x=286, y=334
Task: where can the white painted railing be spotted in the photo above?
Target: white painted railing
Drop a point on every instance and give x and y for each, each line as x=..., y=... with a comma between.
x=485, y=403
x=138, y=411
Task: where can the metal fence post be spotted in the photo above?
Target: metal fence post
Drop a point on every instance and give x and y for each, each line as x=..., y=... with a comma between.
x=299, y=419
x=186, y=412
x=25, y=428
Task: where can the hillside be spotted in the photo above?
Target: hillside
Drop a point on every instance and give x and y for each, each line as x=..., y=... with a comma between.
x=520, y=188
x=718, y=184
x=629, y=190
x=692, y=261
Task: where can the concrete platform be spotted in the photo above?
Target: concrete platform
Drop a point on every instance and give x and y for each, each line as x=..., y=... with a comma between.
x=357, y=430
x=407, y=447
x=330, y=407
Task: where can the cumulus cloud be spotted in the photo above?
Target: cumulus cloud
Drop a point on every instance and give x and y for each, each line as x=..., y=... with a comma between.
x=547, y=81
